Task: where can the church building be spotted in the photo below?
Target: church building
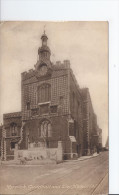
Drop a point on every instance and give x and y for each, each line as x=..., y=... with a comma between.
x=53, y=109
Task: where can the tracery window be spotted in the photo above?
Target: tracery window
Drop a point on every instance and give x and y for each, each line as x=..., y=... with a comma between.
x=44, y=93
x=49, y=130
x=14, y=129
x=45, y=128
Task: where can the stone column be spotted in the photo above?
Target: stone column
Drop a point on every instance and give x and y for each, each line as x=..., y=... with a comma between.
x=16, y=152
x=59, y=152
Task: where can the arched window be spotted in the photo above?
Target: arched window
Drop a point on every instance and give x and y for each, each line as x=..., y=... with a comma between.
x=13, y=129
x=45, y=129
x=49, y=130
x=44, y=93
x=42, y=132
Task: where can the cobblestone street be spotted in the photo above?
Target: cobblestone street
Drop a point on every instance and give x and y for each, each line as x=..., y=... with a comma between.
x=89, y=176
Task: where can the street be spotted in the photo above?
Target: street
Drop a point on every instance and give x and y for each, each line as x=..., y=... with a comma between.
x=74, y=177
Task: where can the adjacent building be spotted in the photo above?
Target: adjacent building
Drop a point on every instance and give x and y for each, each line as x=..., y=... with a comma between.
x=100, y=138
x=0, y=139
x=53, y=109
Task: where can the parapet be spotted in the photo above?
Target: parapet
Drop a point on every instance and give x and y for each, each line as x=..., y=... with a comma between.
x=58, y=63
x=66, y=62
x=31, y=70
x=25, y=75
x=64, y=65
x=12, y=115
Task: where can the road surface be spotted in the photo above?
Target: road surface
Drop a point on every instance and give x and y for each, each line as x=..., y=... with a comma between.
x=69, y=178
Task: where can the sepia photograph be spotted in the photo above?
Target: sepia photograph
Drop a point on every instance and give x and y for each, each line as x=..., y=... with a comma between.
x=54, y=108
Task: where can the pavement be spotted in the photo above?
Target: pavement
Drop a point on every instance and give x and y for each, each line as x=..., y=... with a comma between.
x=88, y=157
x=42, y=162
x=76, y=177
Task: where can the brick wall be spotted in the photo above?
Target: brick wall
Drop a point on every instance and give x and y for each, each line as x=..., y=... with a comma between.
x=59, y=89
x=76, y=112
x=89, y=122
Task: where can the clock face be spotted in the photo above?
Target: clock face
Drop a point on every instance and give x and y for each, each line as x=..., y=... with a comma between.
x=43, y=70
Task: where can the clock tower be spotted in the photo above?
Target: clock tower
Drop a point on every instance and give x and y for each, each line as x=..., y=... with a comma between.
x=44, y=53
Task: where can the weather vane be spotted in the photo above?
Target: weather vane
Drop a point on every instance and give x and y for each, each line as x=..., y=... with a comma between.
x=44, y=29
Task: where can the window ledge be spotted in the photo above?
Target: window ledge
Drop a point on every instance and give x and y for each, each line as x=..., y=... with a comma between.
x=43, y=103
x=9, y=137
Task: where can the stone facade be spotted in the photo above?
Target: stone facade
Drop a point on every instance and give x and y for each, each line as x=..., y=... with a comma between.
x=0, y=138
x=100, y=138
x=54, y=109
x=11, y=132
x=90, y=127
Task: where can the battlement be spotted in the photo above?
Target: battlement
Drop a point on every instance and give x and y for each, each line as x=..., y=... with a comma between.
x=75, y=80
x=57, y=66
x=27, y=74
x=60, y=65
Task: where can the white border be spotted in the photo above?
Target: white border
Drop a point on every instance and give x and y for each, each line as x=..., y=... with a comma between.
x=73, y=10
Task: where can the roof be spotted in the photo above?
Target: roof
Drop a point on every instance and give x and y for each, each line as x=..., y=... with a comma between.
x=12, y=115
x=44, y=48
x=44, y=36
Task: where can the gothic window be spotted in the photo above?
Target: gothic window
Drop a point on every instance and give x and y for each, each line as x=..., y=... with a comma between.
x=44, y=93
x=13, y=129
x=42, y=131
x=49, y=130
x=45, y=128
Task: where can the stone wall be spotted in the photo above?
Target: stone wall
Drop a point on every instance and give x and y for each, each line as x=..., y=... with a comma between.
x=59, y=127
x=41, y=153
x=8, y=119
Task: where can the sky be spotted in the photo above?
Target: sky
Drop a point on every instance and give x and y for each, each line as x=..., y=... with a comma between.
x=85, y=44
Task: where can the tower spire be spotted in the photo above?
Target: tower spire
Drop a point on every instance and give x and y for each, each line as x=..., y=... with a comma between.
x=44, y=39
x=44, y=29
x=44, y=51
